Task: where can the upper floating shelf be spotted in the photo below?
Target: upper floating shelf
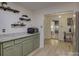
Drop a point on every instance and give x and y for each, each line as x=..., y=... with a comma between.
x=9, y=9
x=23, y=19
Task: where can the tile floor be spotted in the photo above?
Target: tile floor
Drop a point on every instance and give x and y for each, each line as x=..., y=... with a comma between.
x=55, y=48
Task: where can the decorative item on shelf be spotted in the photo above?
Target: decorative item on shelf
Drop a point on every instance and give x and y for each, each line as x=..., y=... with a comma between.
x=18, y=24
x=6, y=8
x=3, y=30
x=4, y=4
x=24, y=18
x=22, y=24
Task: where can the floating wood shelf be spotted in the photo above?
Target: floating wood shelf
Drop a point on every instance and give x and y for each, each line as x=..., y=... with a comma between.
x=24, y=16
x=23, y=19
x=14, y=25
x=9, y=9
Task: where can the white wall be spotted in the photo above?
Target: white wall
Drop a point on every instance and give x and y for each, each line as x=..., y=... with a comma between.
x=38, y=16
x=47, y=27
x=7, y=18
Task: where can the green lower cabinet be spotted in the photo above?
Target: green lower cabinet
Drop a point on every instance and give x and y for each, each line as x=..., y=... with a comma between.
x=9, y=51
x=36, y=43
x=15, y=50
x=19, y=47
x=27, y=46
x=18, y=50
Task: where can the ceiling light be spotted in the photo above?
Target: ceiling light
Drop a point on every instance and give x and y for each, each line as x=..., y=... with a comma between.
x=74, y=15
x=59, y=16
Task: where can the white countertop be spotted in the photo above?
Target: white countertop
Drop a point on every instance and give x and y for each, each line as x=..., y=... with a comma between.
x=7, y=37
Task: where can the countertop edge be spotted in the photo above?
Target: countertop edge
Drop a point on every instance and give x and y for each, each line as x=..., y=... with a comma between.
x=16, y=38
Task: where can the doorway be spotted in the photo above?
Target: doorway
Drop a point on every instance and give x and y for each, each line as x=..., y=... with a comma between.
x=59, y=32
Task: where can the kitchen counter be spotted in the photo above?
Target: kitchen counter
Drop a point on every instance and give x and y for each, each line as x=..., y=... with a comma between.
x=13, y=36
x=18, y=44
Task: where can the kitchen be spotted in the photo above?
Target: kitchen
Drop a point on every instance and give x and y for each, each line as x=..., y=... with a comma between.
x=19, y=18
x=18, y=36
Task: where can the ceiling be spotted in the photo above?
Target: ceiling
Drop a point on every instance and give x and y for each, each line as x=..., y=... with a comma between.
x=40, y=5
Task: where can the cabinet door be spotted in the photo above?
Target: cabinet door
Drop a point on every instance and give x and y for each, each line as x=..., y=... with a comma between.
x=27, y=46
x=9, y=51
x=36, y=42
x=18, y=49
x=15, y=50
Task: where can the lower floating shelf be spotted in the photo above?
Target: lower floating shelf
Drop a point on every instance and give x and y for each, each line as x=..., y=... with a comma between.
x=18, y=25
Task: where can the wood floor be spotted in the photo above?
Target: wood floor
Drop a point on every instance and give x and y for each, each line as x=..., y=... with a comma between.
x=55, y=48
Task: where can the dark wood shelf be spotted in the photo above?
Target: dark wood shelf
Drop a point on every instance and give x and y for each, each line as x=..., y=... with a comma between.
x=14, y=25
x=23, y=19
x=24, y=16
x=9, y=9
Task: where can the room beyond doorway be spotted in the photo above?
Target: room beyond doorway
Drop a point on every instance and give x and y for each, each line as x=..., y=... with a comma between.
x=60, y=27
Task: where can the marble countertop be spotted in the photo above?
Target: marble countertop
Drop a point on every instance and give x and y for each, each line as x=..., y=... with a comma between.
x=7, y=37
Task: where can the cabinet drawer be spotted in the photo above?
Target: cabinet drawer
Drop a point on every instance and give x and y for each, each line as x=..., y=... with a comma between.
x=22, y=39
x=19, y=40
x=30, y=37
x=8, y=43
